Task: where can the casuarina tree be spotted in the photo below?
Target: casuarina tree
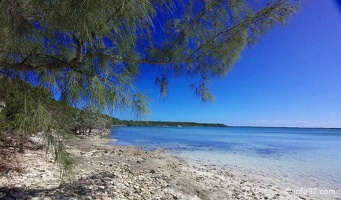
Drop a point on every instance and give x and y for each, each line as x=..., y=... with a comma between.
x=89, y=52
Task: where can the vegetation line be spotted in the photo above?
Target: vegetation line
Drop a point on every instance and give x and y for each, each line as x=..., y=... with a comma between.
x=166, y=123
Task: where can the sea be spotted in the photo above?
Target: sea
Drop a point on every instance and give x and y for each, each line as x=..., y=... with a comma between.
x=308, y=158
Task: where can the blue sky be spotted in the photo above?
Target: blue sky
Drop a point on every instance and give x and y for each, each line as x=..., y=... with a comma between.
x=291, y=77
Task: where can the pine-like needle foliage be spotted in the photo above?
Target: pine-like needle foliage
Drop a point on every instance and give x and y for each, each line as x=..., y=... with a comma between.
x=89, y=52
x=28, y=111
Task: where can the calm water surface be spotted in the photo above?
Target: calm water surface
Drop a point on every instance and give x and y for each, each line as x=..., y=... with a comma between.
x=311, y=157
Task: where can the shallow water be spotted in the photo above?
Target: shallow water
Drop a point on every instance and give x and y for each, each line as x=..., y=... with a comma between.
x=297, y=157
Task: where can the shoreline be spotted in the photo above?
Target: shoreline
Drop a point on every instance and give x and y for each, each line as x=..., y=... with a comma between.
x=108, y=172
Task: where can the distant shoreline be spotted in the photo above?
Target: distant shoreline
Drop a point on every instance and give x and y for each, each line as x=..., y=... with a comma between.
x=166, y=124
x=195, y=124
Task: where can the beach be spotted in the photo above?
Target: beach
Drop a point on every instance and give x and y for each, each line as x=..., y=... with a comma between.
x=105, y=171
x=116, y=100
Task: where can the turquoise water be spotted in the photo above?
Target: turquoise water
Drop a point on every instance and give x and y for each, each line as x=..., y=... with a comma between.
x=311, y=157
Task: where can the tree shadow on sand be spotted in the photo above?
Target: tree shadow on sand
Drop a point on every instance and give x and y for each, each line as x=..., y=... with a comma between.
x=97, y=185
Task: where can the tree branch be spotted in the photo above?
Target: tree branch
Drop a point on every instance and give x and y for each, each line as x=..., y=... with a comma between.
x=245, y=22
x=78, y=58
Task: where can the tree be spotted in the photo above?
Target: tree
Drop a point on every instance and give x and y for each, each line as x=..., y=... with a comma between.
x=92, y=50
x=88, y=52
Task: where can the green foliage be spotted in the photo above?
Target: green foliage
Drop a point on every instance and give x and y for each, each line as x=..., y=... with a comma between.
x=27, y=110
x=90, y=51
x=89, y=119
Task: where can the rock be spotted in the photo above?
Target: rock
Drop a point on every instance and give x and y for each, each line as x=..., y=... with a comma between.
x=92, y=132
x=101, y=187
x=27, y=183
x=37, y=198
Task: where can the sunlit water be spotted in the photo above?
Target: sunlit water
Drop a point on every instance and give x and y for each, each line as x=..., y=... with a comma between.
x=295, y=157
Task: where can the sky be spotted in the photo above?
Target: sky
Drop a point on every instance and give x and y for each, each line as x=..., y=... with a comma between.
x=290, y=78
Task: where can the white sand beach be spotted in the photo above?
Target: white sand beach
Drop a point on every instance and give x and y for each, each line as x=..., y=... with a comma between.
x=115, y=172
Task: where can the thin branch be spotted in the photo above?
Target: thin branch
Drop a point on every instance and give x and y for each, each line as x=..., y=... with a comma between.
x=196, y=19
x=248, y=21
x=78, y=58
